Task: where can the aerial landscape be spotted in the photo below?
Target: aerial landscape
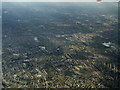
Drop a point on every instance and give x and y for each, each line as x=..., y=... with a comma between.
x=60, y=45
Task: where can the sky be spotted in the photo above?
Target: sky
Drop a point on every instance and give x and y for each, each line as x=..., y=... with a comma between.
x=58, y=0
